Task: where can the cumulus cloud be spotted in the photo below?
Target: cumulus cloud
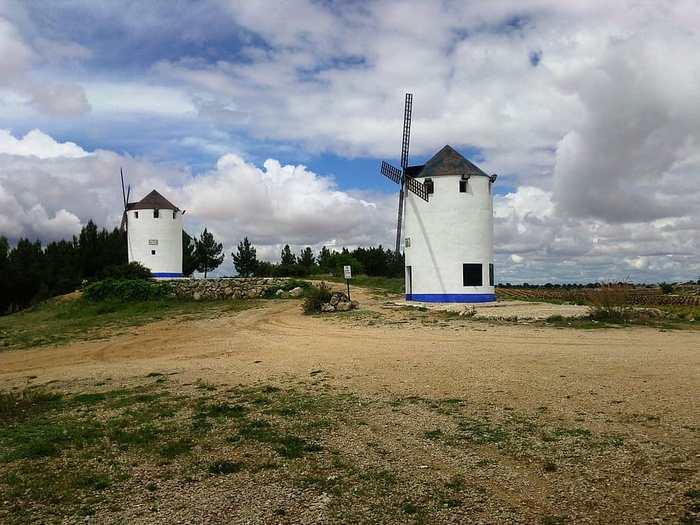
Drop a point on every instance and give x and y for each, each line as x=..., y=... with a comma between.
x=587, y=111
x=637, y=126
x=49, y=190
x=275, y=205
x=38, y=144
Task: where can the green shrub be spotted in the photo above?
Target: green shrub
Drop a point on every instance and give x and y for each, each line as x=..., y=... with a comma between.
x=666, y=288
x=127, y=290
x=131, y=271
x=315, y=298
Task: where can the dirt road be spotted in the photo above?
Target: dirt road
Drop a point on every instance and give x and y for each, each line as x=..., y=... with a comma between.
x=640, y=382
x=393, y=350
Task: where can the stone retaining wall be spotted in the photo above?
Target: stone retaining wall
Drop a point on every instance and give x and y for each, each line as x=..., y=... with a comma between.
x=226, y=287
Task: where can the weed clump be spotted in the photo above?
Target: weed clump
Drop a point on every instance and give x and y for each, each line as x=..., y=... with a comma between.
x=611, y=303
x=315, y=298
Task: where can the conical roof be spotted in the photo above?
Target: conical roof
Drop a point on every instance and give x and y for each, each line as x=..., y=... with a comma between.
x=152, y=201
x=448, y=161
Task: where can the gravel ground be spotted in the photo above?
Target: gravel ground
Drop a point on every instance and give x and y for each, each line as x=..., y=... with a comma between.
x=430, y=419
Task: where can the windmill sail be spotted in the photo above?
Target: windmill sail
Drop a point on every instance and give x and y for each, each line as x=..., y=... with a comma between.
x=399, y=176
x=125, y=197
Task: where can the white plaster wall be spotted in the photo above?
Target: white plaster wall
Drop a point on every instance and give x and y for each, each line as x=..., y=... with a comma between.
x=451, y=229
x=143, y=232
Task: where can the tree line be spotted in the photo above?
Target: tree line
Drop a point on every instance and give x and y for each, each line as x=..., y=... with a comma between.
x=375, y=261
x=30, y=272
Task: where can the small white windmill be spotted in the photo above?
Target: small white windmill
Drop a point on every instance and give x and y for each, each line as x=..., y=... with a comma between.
x=153, y=228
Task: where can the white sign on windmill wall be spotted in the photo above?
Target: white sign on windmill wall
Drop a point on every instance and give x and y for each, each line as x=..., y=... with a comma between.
x=448, y=225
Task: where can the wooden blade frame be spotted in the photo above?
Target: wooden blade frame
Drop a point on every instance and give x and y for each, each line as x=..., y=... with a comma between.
x=125, y=197
x=399, y=175
x=408, y=109
x=417, y=187
x=391, y=172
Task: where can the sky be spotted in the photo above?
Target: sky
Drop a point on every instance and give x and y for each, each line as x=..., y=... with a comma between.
x=269, y=119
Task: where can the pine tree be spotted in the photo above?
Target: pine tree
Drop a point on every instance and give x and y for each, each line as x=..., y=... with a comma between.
x=287, y=256
x=26, y=265
x=189, y=260
x=306, y=258
x=5, y=275
x=208, y=253
x=245, y=260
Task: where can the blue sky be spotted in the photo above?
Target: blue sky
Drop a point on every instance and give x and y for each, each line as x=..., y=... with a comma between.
x=270, y=119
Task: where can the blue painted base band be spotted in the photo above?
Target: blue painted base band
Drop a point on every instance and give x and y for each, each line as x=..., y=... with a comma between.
x=166, y=275
x=452, y=297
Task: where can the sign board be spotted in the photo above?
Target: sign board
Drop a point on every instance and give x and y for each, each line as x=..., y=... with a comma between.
x=347, y=271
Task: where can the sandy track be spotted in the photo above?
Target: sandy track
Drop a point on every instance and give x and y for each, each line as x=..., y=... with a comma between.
x=650, y=370
x=638, y=382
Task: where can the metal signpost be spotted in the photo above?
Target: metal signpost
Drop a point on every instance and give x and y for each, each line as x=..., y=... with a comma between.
x=347, y=271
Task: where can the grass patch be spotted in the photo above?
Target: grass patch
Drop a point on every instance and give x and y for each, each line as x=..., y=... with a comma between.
x=68, y=456
x=62, y=321
x=382, y=286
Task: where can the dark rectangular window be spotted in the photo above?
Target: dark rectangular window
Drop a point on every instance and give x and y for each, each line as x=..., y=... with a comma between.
x=491, y=276
x=174, y=214
x=471, y=275
x=136, y=215
x=156, y=214
x=429, y=186
x=153, y=252
x=463, y=185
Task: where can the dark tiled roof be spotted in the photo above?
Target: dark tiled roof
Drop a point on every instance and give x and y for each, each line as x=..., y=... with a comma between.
x=153, y=201
x=447, y=161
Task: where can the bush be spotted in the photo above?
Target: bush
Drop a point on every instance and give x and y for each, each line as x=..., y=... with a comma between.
x=666, y=288
x=315, y=298
x=290, y=270
x=610, y=303
x=127, y=290
x=131, y=271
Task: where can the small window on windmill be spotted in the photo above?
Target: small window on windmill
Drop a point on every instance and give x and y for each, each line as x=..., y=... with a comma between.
x=471, y=275
x=463, y=183
x=174, y=215
x=136, y=215
x=429, y=186
x=491, y=275
x=156, y=214
x=153, y=252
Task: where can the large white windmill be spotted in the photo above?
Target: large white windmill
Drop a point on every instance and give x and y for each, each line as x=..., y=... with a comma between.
x=154, y=233
x=448, y=225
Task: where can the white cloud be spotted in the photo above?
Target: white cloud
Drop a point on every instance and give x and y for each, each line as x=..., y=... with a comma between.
x=64, y=99
x=637, y=126
x=279, y=204
x=49, y=190
x=38, y=144
x=586, y=110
